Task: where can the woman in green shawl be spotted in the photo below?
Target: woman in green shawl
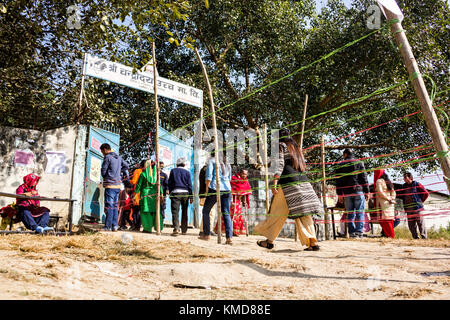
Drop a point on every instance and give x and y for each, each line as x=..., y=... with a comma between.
x=147, y=187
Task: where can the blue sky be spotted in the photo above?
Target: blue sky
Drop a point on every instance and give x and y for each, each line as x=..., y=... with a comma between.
x=321, y=3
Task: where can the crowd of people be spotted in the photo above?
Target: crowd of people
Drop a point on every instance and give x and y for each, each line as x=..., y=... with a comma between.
x=134, y=206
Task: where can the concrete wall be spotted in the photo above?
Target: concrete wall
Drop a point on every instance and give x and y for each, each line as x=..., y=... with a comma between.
x=51, y=184
x=437, y=210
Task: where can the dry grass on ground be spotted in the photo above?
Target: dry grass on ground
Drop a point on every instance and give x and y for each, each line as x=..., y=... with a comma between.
x=101, y=247
x=100, y=266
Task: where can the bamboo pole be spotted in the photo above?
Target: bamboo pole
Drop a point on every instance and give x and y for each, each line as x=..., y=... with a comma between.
x=324, y=187
x=216, y=147
x=266, y=169
x=303, y=122
x=80, y=98
x=158, y=176
x=431, y=119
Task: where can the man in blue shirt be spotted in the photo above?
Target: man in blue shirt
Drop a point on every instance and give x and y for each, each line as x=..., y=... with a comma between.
x=113, y=167
x=225, y=198
x=180, y=188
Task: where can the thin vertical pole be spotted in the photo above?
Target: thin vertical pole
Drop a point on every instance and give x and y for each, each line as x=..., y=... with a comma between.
x=324, y=187
x=216, y=147
x=80, y=98
x=197, y=151
x=303, y=122
x=158, y=176
x=266, y=170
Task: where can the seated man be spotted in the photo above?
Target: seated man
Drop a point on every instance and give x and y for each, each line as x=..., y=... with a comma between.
x=33, y=216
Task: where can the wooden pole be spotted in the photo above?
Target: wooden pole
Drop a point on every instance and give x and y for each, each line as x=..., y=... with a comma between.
x=266, y=169
x=80, y=98
x=197, y=152
x=244, y=201
x=158, y=176
x=324, y=188
x=216, y=147
x=431, y=119
x=303, y=122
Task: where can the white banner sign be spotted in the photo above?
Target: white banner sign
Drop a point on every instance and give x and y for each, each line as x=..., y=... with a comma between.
x=121, y=74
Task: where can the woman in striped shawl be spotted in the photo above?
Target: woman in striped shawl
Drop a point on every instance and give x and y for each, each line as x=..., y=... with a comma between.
x=296, y=199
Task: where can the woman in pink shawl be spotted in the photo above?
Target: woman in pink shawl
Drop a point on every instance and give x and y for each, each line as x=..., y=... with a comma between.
x=241, y=189
x=33, y=216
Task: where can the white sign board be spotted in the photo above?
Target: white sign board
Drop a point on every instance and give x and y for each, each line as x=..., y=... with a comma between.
x=121, y=74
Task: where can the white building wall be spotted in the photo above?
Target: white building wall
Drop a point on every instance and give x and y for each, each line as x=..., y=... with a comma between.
x=61, y=140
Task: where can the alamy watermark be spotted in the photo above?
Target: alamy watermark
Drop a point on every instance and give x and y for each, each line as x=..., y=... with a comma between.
x=74, y=19
x=235, y=146
x=374, y=19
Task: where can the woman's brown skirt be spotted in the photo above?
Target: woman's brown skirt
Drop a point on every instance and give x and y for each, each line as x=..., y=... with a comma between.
x=271, y=227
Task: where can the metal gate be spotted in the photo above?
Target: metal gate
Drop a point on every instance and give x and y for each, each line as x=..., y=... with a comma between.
x=93, y=189
x=170, y=149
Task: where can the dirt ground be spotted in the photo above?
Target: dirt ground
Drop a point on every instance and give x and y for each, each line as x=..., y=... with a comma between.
x=102, y=266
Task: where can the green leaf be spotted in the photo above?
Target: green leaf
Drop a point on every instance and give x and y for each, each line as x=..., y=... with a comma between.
x=3, y=8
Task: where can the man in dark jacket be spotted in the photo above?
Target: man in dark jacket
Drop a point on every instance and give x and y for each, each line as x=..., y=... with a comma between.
x=113, y=167
x=413, y=195
x=180, y=188
x=352, y=187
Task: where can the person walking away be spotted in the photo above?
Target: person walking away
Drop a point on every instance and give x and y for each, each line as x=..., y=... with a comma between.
x=146, y=187
x=125, y=208
x=165, y=187
x=30, y=212
x=225, y=197
x=112, y=167
x=352, y=185
x=413, y=195
x=385, y=202
x=180, y=189
x=202, y=195
x=296, y=199
x=240, y=190
x=136, y=209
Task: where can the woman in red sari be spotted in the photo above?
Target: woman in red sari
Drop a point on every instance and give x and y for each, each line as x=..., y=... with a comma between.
x=240, y=188
x=33, y=216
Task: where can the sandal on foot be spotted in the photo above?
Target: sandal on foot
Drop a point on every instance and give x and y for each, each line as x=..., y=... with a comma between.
x=313, y=248
x=267, y=244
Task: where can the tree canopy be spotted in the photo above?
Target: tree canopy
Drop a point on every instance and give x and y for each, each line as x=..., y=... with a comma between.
x=246, y=45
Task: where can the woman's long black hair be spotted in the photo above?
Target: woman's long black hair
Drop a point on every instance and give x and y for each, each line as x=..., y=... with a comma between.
x=298, y=161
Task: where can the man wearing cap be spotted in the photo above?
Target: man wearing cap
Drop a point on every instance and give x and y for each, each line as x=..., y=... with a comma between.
x=353, y=189
x=180, y=189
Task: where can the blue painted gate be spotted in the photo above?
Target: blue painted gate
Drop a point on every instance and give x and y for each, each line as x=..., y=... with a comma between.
x=170, y=149
x=93, y=190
